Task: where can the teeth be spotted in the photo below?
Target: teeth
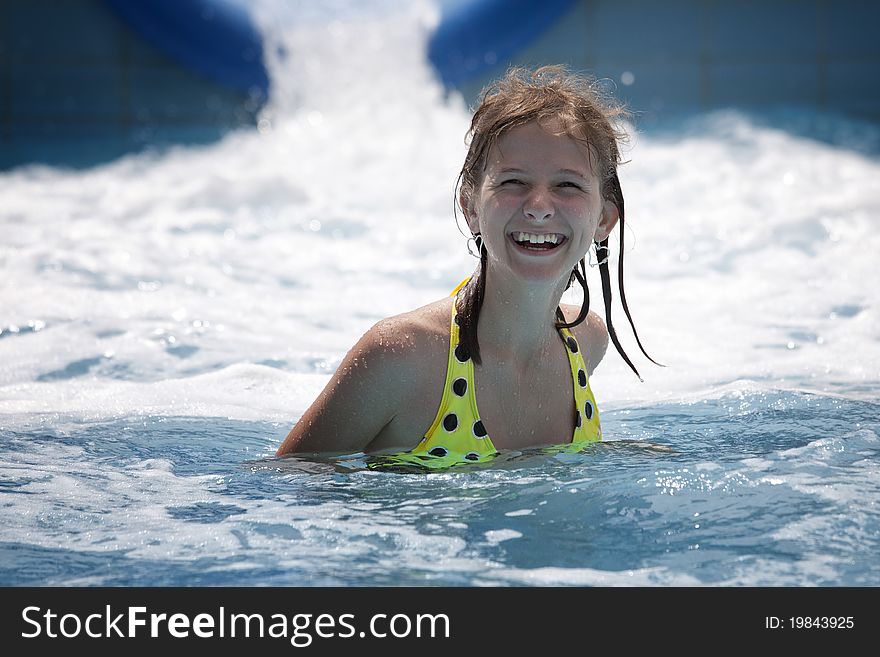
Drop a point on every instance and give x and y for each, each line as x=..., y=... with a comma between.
x=553, y=238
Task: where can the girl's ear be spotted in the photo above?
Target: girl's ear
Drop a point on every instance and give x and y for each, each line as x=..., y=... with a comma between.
x=467, y=206
x=607, y=220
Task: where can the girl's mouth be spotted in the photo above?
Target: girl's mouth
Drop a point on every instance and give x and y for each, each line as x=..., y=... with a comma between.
x=537, y=243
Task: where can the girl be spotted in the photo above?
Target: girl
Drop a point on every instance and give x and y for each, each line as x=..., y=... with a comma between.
x=538, y=188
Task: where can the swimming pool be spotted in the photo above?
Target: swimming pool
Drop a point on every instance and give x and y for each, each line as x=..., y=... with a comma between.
x=167, y=317
x=747, y=492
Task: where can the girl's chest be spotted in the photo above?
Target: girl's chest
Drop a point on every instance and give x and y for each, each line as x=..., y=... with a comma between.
x=526, y=409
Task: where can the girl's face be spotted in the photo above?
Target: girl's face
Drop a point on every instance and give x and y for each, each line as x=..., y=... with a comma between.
x=539, y=205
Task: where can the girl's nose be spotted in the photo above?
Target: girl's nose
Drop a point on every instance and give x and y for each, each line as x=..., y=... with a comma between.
x=538, y=206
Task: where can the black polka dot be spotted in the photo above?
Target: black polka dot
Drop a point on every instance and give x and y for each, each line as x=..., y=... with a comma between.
x=577, y=420
x=462, y=354
x=450, y=422
x=479, y=429
x=472, y=456
x=588, y=409
x=582, y=378
x=439, y=451
x=572, y=344
x=459, y=386
x=456, y=320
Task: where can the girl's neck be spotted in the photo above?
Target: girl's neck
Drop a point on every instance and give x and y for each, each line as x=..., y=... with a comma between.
x=518, y=319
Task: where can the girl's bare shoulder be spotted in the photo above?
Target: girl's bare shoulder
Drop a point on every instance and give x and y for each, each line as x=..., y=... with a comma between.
x=411, y=338
x=591, y=334
x=394, y=365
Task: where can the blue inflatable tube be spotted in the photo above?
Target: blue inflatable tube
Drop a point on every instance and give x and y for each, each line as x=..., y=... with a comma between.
x=481, y=34
x=212, y=37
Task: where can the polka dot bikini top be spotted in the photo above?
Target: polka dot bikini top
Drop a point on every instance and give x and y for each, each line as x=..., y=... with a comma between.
x=458, y=435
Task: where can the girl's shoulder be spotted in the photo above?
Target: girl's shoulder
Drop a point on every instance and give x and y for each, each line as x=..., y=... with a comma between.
x=416, y=329
x=379, y=382
x=591, y=334
x=414, y=339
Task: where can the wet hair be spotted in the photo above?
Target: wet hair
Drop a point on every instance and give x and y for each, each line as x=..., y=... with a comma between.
x=587, y=114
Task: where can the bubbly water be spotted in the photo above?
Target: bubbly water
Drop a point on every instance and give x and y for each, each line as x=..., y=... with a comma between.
x=167, y=317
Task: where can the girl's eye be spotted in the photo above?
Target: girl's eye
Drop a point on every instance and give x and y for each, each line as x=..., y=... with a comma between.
x=572, y=185
x=512, y=181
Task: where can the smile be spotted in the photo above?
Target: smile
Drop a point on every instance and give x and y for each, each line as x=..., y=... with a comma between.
x=535, y=242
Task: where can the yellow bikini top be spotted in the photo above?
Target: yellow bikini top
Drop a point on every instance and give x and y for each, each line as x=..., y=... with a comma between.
x=458, y=435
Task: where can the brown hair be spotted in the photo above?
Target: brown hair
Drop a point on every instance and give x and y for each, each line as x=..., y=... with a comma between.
x=586, y=113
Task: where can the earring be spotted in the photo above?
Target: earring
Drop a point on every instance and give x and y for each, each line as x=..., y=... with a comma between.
x=477, y=239
x=598, y=262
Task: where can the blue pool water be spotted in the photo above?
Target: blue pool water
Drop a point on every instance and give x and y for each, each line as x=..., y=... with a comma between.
x=746, y=489
x=166, y=318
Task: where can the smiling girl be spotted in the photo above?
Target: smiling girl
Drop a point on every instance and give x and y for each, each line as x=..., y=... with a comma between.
x=538, y=189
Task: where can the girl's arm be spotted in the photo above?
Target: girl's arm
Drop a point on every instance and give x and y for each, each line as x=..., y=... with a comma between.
x=360, y=399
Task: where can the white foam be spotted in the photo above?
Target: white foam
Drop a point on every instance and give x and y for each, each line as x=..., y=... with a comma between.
x=554, y=576
x=237, y=290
